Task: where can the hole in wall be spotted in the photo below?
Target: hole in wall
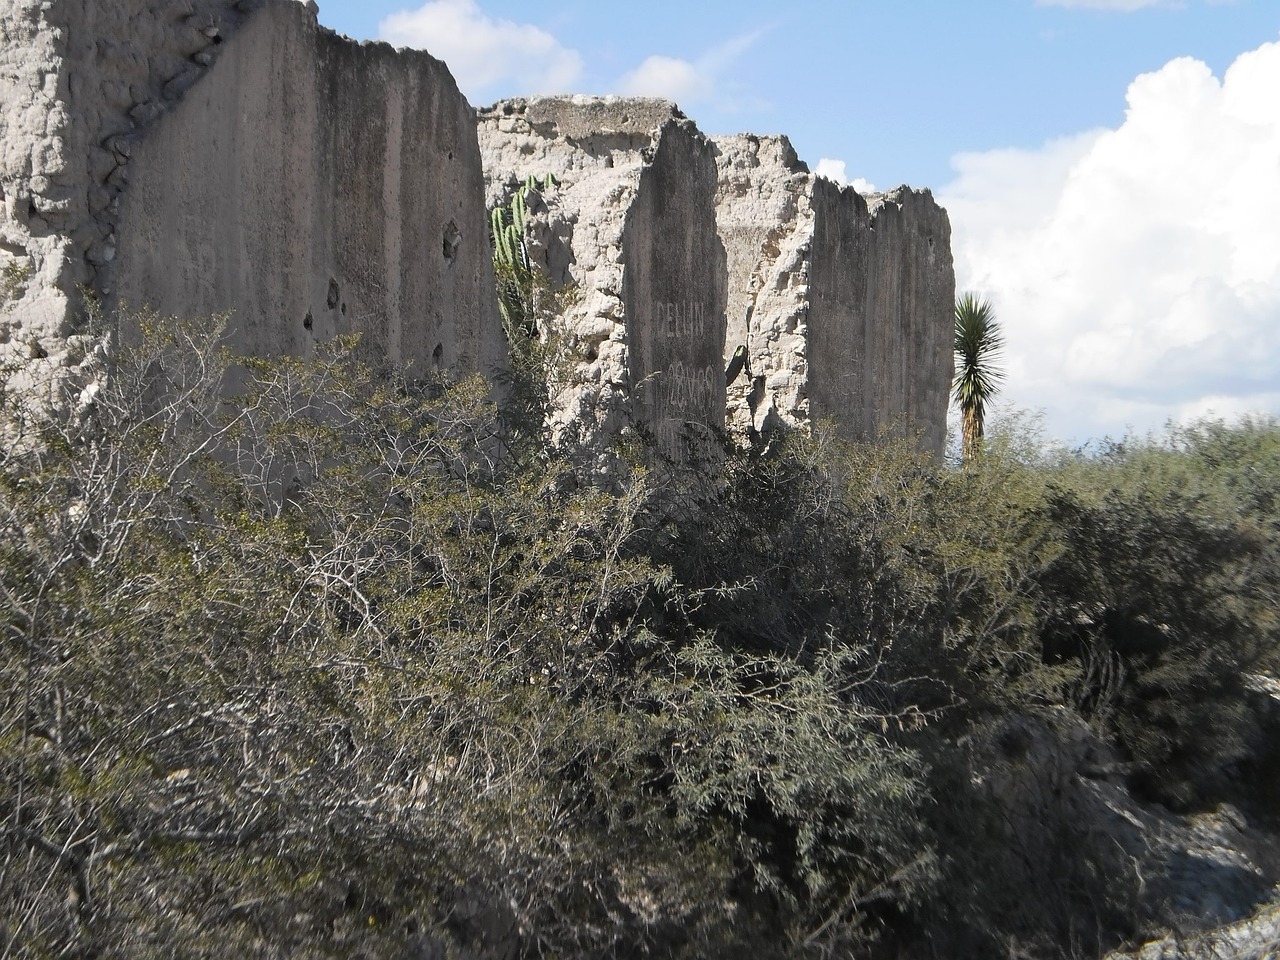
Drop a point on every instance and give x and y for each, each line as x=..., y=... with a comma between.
x=344, y=309
x=335, y=294
x=308, y=321
x=437, y=353
x=451, y=241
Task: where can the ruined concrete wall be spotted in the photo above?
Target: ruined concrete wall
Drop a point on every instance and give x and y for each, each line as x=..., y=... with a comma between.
x=316, y=187
x=882, y=294
x=843, y=302
x=81, y=80
x=766, y=222
x=674, y=291
x=631, y=225
x=202, y=156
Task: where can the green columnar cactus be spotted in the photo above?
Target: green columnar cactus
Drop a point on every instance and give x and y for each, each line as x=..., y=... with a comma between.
x=519, y=213
x=507, y=225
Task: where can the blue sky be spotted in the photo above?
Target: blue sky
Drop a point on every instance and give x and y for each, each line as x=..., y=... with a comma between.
x=1111, y=167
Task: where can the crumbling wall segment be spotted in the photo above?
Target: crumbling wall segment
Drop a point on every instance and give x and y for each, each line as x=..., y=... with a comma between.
x=318, y=187
x=631, y=226
x=766, y=223
x=675, y=293
x=843, y=302
x=912, y=290
x=83, y=81
x=882, y=294
x=202, y=156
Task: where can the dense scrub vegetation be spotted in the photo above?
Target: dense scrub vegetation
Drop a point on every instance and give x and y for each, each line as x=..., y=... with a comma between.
x=348, y=667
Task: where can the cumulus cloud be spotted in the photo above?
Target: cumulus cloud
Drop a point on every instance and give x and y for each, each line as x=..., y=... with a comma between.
x=837, y=172
x=487, y=56
x=688, y=81
x=668, y=77
x=1137, y=270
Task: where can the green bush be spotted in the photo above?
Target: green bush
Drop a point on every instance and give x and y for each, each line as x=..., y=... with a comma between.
x=335, y=666
x=318, y=670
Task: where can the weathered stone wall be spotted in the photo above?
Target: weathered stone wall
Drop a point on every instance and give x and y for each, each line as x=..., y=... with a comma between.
x=843, y=302
x=201, y=156
x=766, y=222
x=881, y=302
x=81, y=81
x=318, y=187
x=631, y=224
x=674, y=291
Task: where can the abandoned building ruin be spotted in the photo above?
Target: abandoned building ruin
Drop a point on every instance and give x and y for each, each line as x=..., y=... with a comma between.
x=208, y=156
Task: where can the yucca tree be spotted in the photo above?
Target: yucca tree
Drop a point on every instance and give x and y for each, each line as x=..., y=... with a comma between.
x=978, y=342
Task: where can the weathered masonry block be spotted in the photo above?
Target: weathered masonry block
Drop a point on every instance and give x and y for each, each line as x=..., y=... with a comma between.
x=201, y=156
x=631, y=223
x=844, y=303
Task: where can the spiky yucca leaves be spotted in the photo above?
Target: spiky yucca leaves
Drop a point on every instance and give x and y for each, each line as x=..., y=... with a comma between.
x=978, y=342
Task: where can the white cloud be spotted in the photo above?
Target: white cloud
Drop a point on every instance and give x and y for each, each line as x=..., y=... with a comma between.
x=834, y=170
x=837, y=172
x=487, y=56
x=667, y=77
x=1137, y=270
x=688, y=81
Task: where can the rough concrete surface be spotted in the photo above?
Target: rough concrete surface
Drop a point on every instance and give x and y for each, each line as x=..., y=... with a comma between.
x=843, y=302
x=201, y=156
x=631, y=224
x=79, y=80
x=206, y=156
x=766, y=223
x=318, y=187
